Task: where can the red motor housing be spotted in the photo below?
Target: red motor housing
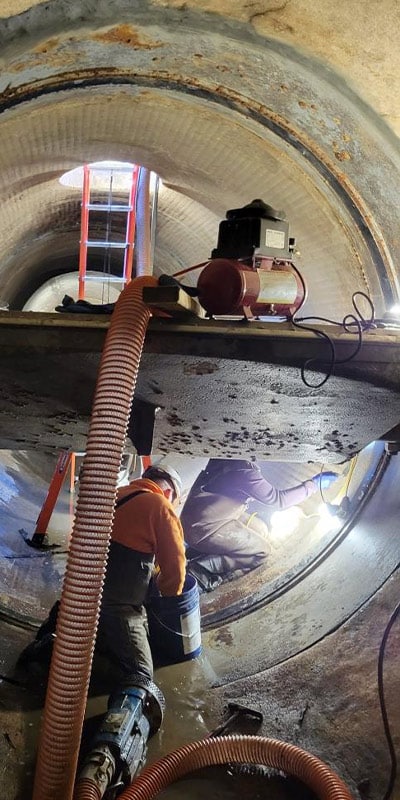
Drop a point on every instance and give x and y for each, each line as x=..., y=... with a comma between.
x=269, y=288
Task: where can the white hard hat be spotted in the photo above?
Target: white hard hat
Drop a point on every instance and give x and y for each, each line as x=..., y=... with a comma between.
x=166, y=473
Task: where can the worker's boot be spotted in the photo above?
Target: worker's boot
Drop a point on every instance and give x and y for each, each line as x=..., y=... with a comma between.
x=207, y=581
x=38, y=652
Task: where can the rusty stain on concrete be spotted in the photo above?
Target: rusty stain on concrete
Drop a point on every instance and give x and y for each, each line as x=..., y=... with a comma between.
x=44, y=47
x=40, y=57
x=127, y=35
x=342, y=155
x=44, y=53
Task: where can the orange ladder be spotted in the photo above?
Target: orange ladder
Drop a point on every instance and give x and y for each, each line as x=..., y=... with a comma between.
x=109, y=208
x=65, y=460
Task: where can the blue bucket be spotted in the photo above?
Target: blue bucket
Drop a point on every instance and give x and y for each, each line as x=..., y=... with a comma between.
x=174, y=625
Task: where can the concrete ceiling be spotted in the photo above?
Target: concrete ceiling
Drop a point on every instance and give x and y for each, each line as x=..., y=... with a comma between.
x=226, y=101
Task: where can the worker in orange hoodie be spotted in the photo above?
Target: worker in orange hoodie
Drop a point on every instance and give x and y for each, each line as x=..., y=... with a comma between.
x=146, y=531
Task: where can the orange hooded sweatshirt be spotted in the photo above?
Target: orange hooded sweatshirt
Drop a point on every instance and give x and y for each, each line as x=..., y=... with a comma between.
x=148, y=523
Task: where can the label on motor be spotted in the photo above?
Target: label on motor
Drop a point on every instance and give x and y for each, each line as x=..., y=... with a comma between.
x=191, y=632
x=275, y=239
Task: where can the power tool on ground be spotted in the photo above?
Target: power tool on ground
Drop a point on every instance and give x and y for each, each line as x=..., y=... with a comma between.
x=119, y=747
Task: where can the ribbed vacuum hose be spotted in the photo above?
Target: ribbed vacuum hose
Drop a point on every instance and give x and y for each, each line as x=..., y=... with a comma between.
x=86, y=789
x=236, y=749
x=144, y=264
x=83, y=582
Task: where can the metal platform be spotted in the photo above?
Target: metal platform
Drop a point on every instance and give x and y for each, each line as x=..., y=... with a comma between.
x=216, y=388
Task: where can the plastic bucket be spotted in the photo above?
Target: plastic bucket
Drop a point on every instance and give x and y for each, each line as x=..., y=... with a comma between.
x=174, y=625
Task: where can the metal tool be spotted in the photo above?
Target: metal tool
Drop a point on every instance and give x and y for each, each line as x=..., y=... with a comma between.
x=237, y=712
x=118, y=750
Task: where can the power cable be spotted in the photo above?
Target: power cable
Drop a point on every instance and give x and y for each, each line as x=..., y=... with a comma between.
x=386, y=726
x=348, y=322
x=13, y=682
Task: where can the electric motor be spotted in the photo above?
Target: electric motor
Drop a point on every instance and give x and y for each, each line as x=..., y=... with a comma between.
x=251, y=270
x=227, y=287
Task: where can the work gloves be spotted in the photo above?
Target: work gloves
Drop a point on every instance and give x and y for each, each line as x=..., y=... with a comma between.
x=324, y=479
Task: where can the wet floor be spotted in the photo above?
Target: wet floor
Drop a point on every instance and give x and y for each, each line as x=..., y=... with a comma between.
x=196, y=692
x=30, y=582
x=189, y=716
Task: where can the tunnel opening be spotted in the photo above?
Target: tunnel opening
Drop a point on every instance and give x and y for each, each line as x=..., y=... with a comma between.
x=333, y=230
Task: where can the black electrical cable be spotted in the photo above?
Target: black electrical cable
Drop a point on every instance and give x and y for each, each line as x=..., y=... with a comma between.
x=320, y=484
x=386, y=726
x=39, y=555
x=13, y=682
x=349, y=321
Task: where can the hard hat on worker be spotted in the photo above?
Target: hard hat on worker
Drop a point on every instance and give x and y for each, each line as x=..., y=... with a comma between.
x=167, y=473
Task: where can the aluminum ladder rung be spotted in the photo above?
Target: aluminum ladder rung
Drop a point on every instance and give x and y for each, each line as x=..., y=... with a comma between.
x=107, y=207
x=113, y=169
x=104, y=278
x=107, y=245
x=122, y=201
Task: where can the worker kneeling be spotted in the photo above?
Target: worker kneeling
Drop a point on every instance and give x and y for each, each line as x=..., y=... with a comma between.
x=146, y=530
x=224, y=541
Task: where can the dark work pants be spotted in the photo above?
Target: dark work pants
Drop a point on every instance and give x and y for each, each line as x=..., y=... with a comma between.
x=122, y=638
x=238, y=546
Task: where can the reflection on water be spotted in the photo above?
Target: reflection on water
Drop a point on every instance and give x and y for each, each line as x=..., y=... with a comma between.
x=186, y=688
x=191, y=714
x=193, y=709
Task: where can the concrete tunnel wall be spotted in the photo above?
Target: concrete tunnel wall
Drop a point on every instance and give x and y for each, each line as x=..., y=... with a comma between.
x=169, y=87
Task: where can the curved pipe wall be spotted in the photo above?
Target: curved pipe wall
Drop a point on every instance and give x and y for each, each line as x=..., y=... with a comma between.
x=80, y=602
x=243, y=750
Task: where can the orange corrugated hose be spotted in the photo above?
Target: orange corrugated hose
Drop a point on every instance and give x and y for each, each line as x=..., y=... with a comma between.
x=81, y=596
x=236, y=749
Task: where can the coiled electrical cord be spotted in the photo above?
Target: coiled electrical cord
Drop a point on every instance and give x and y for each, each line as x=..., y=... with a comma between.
x=348, y=323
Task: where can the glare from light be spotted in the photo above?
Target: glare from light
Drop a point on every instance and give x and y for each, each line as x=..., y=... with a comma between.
x=327, y=522
x=285, y=522
x=153, y=182
x=395, y=310
x=100, y=176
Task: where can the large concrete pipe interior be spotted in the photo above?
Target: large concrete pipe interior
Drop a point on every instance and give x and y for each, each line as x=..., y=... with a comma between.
x=225, y=102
